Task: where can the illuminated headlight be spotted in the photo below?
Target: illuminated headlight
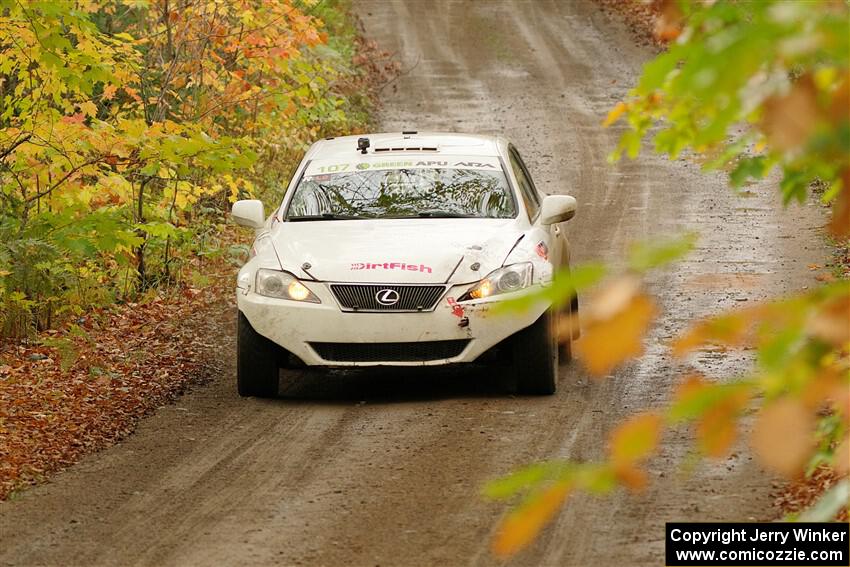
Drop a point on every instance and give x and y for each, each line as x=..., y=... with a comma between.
x=283, y=285
x=504, y=280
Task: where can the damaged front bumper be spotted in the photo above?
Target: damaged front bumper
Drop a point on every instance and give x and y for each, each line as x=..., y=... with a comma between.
x=322, y=334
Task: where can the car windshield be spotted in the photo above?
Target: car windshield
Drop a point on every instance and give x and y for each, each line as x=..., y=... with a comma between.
x=424, y=192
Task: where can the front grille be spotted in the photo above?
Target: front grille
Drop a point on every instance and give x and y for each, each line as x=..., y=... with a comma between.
x=364, y=297
x=390, y=352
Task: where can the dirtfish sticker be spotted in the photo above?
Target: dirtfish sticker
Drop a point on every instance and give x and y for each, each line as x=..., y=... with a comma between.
x=391, y=266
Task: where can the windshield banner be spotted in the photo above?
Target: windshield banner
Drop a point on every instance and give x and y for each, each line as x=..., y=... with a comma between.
x=370, y=162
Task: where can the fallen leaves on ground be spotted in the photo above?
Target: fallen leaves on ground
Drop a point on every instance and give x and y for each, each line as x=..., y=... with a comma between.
x=803, y=493
x=641, y=17
x=124, y=363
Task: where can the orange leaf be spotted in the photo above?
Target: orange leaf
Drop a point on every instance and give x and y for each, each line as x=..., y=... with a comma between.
x=839, y=225
x=77, y=118
x=109, y=92
x=521, y=526
x=617, y=321
x=717, y=431
x=783, y=436
x=729, y=329
x=134, y=94
x=631, y=477
x=831, y=324
x=668, y=26
x=717, y=427
x=635, y=439
x=789, y=120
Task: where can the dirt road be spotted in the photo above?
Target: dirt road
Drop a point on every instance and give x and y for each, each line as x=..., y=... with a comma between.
x=385, y=468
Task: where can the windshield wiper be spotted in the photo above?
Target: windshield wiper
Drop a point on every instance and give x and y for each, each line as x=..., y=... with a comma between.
x=438, y=214
x=324, y=216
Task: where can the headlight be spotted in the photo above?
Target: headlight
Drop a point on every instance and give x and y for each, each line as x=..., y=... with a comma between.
x=504, y=280
x=283, y=285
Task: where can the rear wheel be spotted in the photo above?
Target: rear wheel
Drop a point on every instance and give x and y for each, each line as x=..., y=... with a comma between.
x=257, y=362
x=535, y=357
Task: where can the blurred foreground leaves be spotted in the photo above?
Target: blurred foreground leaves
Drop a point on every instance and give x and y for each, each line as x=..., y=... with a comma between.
x=746, y=87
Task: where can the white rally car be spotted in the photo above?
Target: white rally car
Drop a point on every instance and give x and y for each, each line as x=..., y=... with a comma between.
x=391, y=250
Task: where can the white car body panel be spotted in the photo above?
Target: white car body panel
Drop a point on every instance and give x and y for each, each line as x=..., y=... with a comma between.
x=454, y=252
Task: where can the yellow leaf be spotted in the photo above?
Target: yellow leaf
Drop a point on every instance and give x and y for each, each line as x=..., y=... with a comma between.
x=783, y=436
x=615, y=114
x=521, y=526
x=88, y=108
x=617, y=321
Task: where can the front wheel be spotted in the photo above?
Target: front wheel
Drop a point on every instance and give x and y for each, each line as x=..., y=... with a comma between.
x=535, y=357
x=257, y=362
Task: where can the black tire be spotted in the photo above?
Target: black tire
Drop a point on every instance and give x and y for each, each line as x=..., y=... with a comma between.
x=257, y=362
x=535, y=357
x=575, y=319
x=567, y=331
x=565, y=350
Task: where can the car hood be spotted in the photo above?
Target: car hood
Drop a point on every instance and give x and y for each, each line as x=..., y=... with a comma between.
x=395, y=250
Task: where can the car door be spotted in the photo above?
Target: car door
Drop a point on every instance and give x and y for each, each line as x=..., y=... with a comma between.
x=557, y=243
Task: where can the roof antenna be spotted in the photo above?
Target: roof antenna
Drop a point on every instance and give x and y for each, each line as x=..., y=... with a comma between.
x=362, y=144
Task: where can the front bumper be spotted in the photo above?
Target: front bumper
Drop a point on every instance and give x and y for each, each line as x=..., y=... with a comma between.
x=295, y=325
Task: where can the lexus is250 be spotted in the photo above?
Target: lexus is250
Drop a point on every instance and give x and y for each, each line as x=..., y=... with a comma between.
x=393, y=250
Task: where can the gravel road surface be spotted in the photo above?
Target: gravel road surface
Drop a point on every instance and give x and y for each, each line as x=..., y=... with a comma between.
x=385, y=468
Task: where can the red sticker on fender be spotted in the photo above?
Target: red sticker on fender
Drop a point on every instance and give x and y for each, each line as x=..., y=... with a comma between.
x=457, y=309
x=542, y=250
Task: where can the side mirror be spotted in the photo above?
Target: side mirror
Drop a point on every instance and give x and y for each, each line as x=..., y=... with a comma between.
x=249, y=212
x=557, y=208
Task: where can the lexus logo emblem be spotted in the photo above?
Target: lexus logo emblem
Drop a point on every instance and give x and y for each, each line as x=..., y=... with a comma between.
x=387, y=297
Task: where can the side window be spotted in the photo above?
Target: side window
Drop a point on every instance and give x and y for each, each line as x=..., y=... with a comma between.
x=526, y=186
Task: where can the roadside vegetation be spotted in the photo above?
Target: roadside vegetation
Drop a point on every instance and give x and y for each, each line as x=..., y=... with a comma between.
x=127, y=128
x=756, y=89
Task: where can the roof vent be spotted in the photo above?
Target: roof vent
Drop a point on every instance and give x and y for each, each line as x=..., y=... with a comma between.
x=411, y=149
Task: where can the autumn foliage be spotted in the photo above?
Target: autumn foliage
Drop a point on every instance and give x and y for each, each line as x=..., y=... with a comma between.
x=127, y=127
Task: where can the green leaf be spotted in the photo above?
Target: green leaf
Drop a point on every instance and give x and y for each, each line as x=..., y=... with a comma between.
x=746, y=169
x=696, y=404
x=525, y=478
x=647, y=255
x=566, y=284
